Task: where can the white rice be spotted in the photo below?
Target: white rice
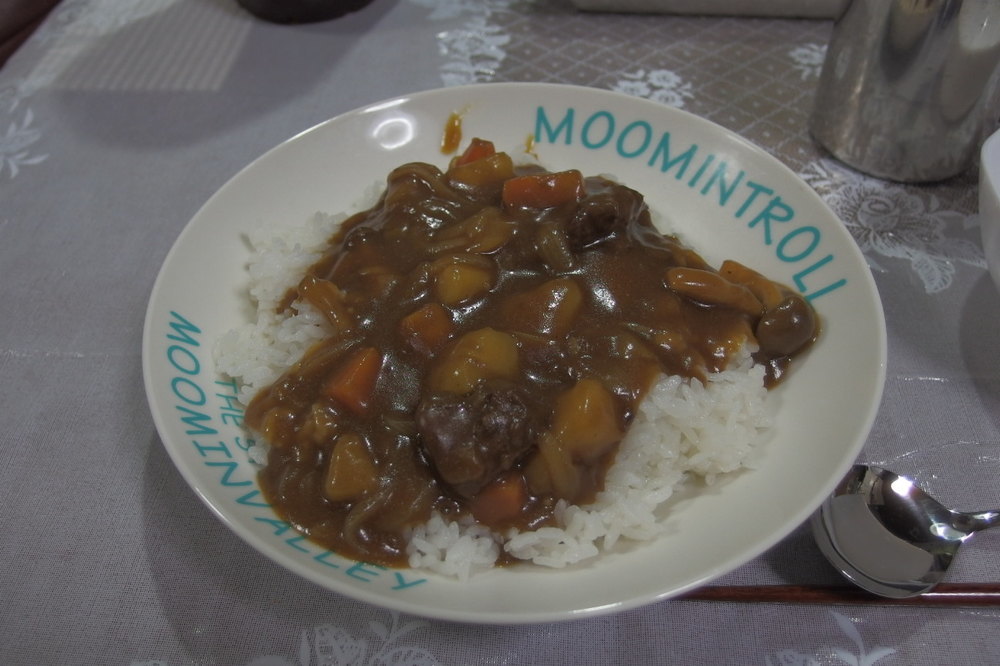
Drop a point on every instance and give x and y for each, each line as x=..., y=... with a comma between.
x=257, y=352
x=685, y=431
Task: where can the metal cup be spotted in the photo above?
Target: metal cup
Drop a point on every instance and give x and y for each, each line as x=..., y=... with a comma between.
x=907, y=85
x=300, y=11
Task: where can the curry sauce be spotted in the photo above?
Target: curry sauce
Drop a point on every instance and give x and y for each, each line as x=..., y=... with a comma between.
x=493, y=330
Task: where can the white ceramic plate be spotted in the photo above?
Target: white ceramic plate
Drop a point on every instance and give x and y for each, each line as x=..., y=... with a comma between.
x=726, y=197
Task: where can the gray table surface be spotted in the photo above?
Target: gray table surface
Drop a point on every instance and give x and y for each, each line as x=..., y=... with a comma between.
x=118, y=120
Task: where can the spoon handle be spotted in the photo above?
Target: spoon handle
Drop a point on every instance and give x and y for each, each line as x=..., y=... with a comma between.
x=945, y=594
x=974, y=522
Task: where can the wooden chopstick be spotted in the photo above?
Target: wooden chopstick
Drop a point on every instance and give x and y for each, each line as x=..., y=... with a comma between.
x=945, y=594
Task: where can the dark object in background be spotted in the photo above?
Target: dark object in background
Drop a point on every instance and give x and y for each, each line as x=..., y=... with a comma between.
x=907, y=88
x=18, y=19
x=301, y=11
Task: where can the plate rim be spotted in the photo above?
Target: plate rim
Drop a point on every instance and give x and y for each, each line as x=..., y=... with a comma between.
x=507, y=617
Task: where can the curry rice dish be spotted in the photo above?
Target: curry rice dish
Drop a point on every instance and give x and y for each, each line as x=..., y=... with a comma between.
x=497, y=363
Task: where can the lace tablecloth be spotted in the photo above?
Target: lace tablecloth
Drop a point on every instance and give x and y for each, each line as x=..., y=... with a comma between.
x=120, y=119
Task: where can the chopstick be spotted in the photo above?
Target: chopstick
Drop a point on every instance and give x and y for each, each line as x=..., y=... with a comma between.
x=945, y=594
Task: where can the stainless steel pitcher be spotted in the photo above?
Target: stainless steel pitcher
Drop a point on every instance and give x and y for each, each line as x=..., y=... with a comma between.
x=909, y=86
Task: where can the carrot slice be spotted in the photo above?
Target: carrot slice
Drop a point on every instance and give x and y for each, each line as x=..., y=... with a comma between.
x=545, y=190
x=478, y=149
x=353, y=385
x=427, y=328
x=502, y=500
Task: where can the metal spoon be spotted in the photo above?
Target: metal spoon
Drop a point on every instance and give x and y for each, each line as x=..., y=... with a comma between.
x=888, y=536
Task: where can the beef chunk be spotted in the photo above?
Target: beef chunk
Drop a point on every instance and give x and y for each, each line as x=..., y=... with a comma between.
x=603, y=215
x=472, y=439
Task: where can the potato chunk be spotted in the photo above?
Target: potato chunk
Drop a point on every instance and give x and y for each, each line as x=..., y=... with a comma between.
x=351, y=472
x=549, y=309
x=494, y=169
x=481, y=354
x=462, y=278
x=585, y=420
x=585, y=426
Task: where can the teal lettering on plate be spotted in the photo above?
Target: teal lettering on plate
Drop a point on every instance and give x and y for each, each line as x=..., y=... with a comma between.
x=719, y=177
x=775, y=211
x=836, y=284
x=232, y=471
x=587, y=136
x=280, y=526
x=644, y=140
x=188, y=391
x=324, y=558
x=769, y=213
x=295, y=541
x=662, y=154
x=231, y=418
x=250, y=499
x=402, y=583
x=701, y=170
x=230, y=403
x=231, y=466
x=800, y=279
x=361, y=571
x=755, y=190
x=181, y=328
x=190, y=365
x=785, y=254
x=206, y=451
x=231, y=409
x=195, y=421
x=230, y=384
x=243, y=444
x=545, y=132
